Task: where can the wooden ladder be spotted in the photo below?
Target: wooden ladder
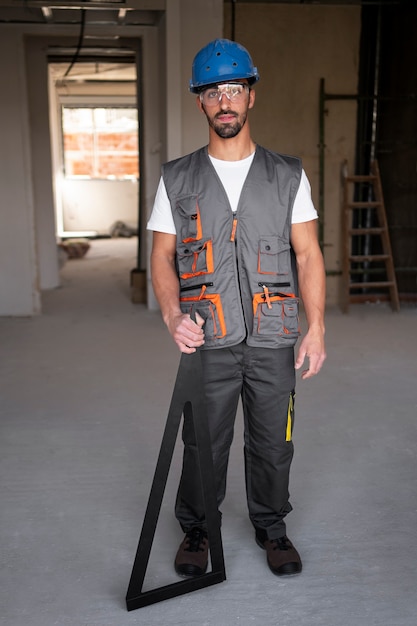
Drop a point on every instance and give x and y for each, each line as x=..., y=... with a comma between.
x=368, y=268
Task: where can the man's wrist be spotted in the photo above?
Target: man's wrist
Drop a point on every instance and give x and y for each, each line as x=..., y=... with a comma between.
x=317, y=327
x=171, y=315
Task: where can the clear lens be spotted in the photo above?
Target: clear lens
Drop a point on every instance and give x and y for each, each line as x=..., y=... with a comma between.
x=235, y=92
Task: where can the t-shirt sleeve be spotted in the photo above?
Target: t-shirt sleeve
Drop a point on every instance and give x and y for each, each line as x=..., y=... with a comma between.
x=303, y=209
x=161, y=217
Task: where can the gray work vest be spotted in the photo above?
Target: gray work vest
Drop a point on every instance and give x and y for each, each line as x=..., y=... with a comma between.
x=237, y=269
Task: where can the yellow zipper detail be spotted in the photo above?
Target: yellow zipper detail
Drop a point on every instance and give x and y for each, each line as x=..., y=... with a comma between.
x=289, y=418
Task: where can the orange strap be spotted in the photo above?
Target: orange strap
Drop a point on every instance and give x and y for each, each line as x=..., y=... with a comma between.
x=234, y=226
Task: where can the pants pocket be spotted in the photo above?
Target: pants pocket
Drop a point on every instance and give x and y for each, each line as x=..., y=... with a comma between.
x=275, y=315
x=195, y=258
x=209, y=306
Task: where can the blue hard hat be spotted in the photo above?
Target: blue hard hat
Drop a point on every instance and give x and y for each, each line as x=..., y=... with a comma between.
x=219, y=61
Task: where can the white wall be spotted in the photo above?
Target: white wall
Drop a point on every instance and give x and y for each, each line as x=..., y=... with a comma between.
x=19, y=291
x=41, y=164
x=95, y=205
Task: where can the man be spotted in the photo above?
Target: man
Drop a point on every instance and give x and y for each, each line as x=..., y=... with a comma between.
x=234, y=236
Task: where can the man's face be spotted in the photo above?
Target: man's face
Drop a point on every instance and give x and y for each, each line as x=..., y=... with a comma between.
x=227, y=118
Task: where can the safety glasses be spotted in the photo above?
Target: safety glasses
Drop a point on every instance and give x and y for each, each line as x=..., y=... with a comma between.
x=235, y=92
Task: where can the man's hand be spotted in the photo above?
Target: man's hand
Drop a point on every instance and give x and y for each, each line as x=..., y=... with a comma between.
x=188, y=335
x=312, y=347
x=312, y=283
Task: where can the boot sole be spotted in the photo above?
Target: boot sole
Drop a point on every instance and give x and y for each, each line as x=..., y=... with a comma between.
x=189, y=571
x=288, y=569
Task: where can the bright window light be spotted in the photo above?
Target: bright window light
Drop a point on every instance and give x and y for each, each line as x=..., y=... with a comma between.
x=100, y=143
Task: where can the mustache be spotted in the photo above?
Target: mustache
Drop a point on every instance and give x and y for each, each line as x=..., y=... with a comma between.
x=228, y=112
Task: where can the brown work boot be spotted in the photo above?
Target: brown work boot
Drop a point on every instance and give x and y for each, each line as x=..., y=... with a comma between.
x=192, y=555
x=283, y=559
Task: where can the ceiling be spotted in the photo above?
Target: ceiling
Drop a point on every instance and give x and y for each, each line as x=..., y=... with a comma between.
x=97, y=12
x=93, y=72
x=121, y=12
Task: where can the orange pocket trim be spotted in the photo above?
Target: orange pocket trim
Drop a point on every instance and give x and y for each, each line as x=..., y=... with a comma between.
x=208, y=247
x=215, y=299
x=260, y=298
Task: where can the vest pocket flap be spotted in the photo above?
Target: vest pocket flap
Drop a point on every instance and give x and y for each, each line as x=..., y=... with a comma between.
x=209, y=306
x=273, y=255
x=188, y=209
x=274, y=311
x=195, y=258
x=275, y=315
x=269, y=245
x=290, y=309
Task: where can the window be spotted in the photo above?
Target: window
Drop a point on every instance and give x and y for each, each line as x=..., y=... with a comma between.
x=100, y=142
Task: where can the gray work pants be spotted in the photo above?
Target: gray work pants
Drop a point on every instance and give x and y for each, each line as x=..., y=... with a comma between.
x=264, y=378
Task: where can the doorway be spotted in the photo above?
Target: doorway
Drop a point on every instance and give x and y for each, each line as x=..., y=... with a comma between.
x=46, y=162
x=95, y=147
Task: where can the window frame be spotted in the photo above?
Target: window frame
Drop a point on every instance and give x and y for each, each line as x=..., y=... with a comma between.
x=107, y=102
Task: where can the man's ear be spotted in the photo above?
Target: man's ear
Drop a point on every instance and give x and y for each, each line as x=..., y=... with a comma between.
x=252, y=96
x=199, y=105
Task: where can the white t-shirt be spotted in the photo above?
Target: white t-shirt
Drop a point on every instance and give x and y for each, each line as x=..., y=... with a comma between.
x=233, y=175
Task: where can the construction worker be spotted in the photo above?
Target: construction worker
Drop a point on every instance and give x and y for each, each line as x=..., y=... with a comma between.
x=234, y=245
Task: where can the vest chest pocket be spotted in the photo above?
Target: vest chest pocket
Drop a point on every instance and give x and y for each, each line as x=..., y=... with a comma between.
x=275, y=315
x=209, y=306
x=195, y=259
x=189, y=211
x=273, y=256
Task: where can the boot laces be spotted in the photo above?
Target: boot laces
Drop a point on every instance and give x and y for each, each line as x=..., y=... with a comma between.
x=196, y=537
x=282, y=543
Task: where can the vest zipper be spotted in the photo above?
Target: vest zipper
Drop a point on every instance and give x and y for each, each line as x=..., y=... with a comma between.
x=268, y=294
x=199, y=286
x=234, y=226
x=263, y=284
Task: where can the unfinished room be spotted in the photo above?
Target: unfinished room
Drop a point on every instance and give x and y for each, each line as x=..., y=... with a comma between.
x=281, y=138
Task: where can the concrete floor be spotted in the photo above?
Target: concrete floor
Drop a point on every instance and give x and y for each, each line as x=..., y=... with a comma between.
x=84, y=392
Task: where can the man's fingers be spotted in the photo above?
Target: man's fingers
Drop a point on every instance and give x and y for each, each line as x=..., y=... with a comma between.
x=199, y=320
x=189, y=335
x=315, y=363
x=300, y=359
x=185, y=349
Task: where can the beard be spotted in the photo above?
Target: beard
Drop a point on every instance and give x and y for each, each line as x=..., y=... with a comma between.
x=230, y=129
